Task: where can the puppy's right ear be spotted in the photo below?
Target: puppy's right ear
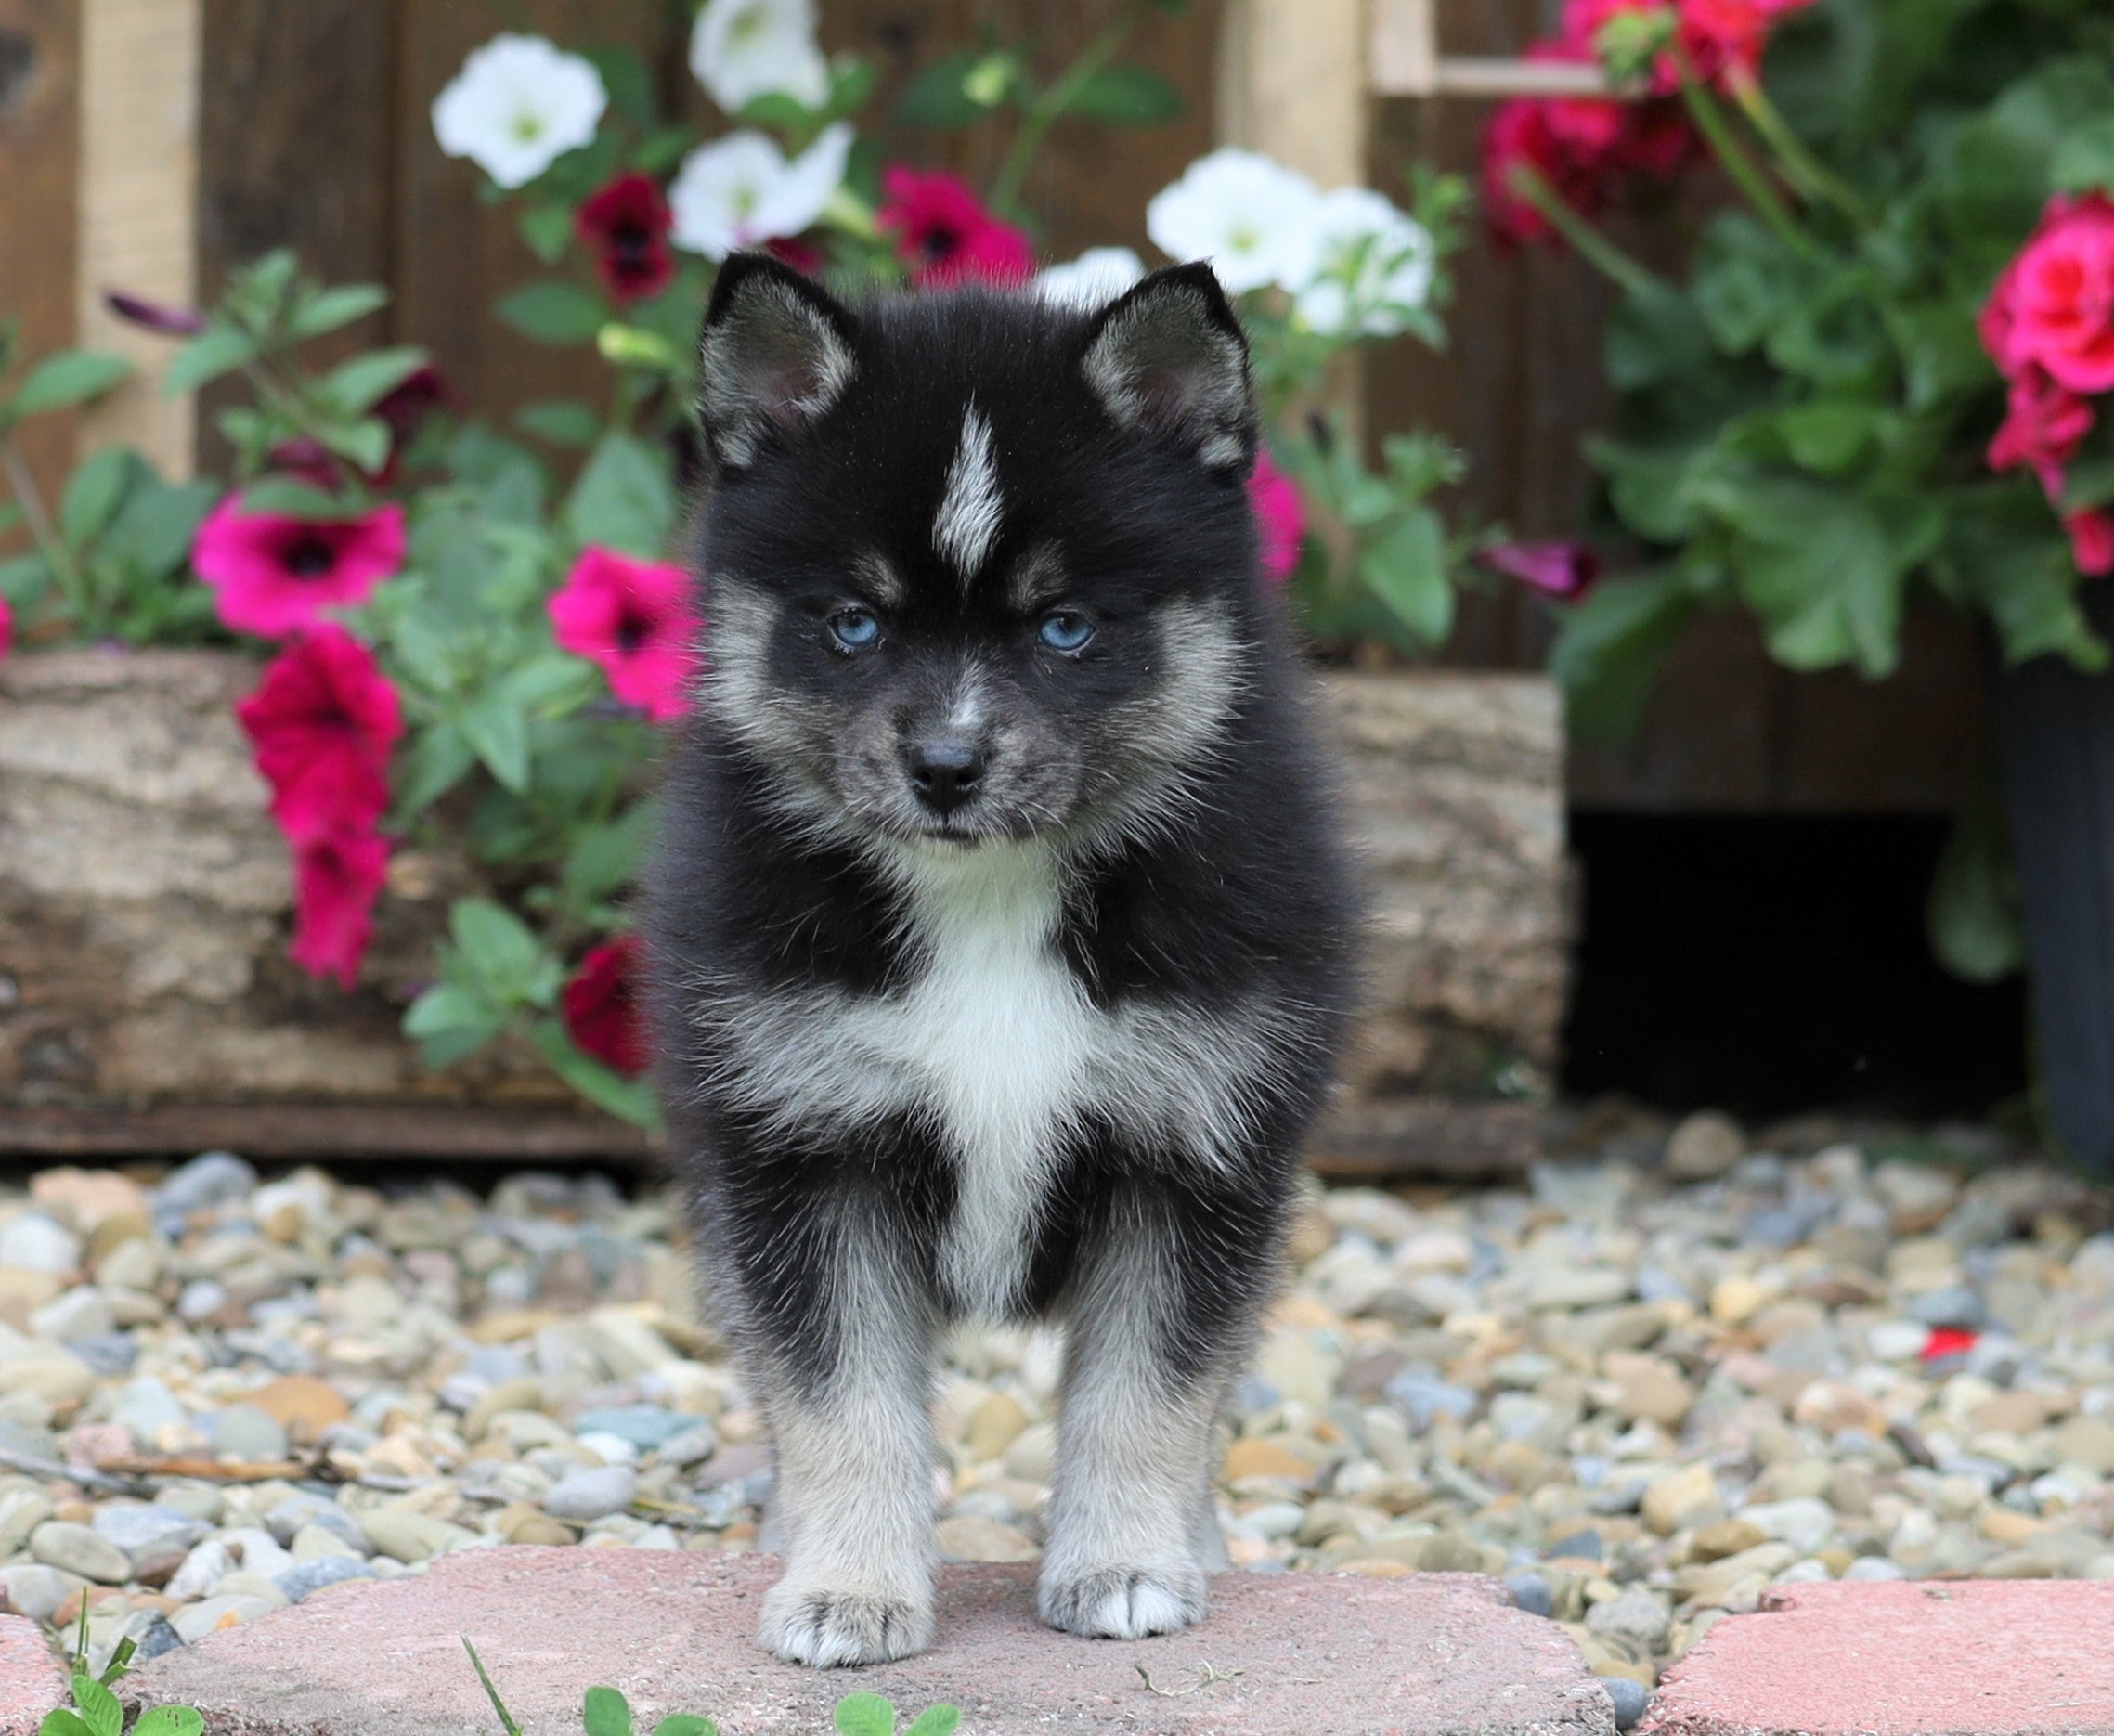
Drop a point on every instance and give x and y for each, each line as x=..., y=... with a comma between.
x=774, y=355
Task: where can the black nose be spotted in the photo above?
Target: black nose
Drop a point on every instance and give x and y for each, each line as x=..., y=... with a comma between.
x=945, y=771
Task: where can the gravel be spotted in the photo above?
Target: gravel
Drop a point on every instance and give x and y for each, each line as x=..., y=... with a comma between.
x=1643, y=1386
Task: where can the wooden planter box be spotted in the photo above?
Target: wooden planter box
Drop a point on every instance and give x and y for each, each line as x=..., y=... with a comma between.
x=147, y=1004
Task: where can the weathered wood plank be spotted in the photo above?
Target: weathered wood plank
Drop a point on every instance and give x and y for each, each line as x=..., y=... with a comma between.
x=39, y=155
x=138, y=198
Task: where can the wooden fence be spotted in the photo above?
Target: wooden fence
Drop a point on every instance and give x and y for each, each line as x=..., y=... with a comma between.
x=151, y=143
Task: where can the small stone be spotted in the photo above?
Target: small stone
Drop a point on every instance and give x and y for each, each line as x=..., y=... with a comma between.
x=247, y=1434
x=1264, y=1459
x=1806, y=1522
x=195, y=1621
x=589, y=1494
x=2087, y=1441
x=1705, y=1147
x=1649, y=1388
x=36, y=1243
x=1631, y=1697
x=1949, y=1305
x=693, y=1446
x=1725, y=1537
x=35, y=1589
x=527, y=1525
x=301, y=1405
x=1736, y=1300
x=144, y=1533
x=995, y=1425
x=1873, y=1567
x=213, y=1179
x=1531, y=1593
x=78, y=1549
x=1635, y=1616
x=968, y=1538
x=1678, y=1497
x=645, y=1427
x=302, y=1577
x=1449, y=1552
x=411, y=1537
x=1579, y=1287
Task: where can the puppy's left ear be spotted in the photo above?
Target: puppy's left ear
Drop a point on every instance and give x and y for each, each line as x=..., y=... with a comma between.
x=775, y=354
x=1170, y=358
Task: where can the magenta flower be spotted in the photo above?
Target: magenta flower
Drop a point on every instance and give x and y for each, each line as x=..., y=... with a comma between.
x=6, y=628
x=1280, y=520
x=1564, y=570
x=636, y=620
x=322, y=723
x=337, y=878
x=274, y=576
x=170, y=322
x=944, y=234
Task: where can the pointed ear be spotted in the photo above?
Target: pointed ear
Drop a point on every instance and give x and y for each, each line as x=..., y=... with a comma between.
x=1170, y=357
x=774, y=355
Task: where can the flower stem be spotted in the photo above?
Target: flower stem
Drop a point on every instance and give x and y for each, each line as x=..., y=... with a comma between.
x=73, y=582
x=1814, y=177
x=1050, y=106
x=1712, y=122
x=1590, y=245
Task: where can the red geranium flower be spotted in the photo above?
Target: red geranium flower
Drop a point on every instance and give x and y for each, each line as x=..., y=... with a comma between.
x=1280, y=520
x=6, y=628
x=627, y=223
x=2053, y=305
x=635, y=619
x=274, y=576
x=1561, y=569
x=336, y=879
x=2091, y=542
x=944, y=234
x=1723, y=39
x=323, y=722
x=2043, y=426
x=601, y=1006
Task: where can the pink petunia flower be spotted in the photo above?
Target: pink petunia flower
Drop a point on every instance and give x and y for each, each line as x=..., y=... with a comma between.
x=1280, y=519
x=637, y=621
x=944, y=234
x=322, y=723
x=273, y=575
x=601, y=1006
x=2091, y=542
x=337, y=878
x=1564, y=570
x=6, y=628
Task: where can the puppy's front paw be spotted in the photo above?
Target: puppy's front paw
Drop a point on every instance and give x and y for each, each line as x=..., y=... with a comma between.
x=1123, y=1602
x=807, y=1625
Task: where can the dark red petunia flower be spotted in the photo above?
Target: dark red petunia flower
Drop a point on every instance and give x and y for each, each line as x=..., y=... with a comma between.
x=601, y=1006
x=404, y=408
x=944, y=234
x=337, y=878
x=789, y=249
x=1564, y=570
x=627, y=223
x=322, y=724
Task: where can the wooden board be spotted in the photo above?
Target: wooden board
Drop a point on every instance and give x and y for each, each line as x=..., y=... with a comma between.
x=40, y=44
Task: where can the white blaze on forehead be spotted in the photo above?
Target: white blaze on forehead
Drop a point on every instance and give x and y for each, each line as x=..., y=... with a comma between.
x=970, y=510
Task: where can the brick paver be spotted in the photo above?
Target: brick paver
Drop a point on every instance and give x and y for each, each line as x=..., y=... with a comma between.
x=1979, y=1658
x=30, y=1680
x=1318, y=1653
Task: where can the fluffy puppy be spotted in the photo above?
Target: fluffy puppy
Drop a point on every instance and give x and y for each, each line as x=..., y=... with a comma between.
x=998, y=935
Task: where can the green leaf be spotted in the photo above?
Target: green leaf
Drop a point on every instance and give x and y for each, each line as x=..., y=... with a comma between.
x=23, y=578
x=2089, y=483
x=449, y=1022
x=333, y=308
x=1610, y=648
x=552, y=312
x=546, y=229
x=1125, y=96
x=1655, y=337
x=608, y=856
x=686, y=1724
x=866, y=1715
x=93, y=493
x=776, y=112
x=169, y=1721
x=2021, y=572
x=1974, y=915
x=562, y=421
x=627, y=1099
x=1829, y=434
x=624, y=498
x=98, y=1706
x=152, y=532
x=438, y=760
x=630, y=83
x=206, y=358
x=500, y=951
x=497, y=730
x=2083, y=163
x=65, y=379
x=938, y=96
x=491, y=1693
x=1747, y=281
x=608, y=1713
x=1407, y=570
x=285, y=498
x=936, y=1721
x=355, y=387
x=61, y=1722
x=363, y=444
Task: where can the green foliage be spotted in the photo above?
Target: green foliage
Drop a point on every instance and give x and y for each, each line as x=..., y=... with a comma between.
x=96, y=1711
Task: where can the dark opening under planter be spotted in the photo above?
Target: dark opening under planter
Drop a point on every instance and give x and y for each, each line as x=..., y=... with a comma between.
x=147, y=1004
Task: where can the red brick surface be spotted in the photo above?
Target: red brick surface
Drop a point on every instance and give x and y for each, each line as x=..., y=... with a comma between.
x=1318, y=1656
x=30, y=1680
x=1895, y=1658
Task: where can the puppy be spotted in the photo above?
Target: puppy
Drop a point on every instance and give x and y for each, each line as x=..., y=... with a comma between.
x=999, y=940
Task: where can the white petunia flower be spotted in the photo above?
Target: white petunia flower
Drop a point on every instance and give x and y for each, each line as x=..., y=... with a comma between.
x=742, y=50
x=1366, y=264
x=518, y=105
x=1246, y=214
x=1095, y=279
x=740, y=190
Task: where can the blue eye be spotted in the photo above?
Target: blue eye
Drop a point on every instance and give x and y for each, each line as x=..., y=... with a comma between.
x=1066, y=632
x=855, y=629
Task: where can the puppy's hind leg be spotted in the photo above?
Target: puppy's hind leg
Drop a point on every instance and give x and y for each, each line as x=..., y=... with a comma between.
x=853, y=1432
x=1154, y=1338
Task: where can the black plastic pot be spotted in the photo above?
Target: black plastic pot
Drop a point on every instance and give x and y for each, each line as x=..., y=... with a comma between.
x=2054, y=731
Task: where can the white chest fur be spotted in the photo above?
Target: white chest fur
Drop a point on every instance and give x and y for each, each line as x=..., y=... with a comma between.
x=995, y=1043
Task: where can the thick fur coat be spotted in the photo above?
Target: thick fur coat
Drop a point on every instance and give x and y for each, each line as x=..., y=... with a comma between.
x=999, y=940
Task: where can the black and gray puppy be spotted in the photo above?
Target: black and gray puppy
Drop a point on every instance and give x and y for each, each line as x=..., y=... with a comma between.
x=999, y=939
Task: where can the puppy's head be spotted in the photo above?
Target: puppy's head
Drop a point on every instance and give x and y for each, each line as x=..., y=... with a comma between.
x=978, y=566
